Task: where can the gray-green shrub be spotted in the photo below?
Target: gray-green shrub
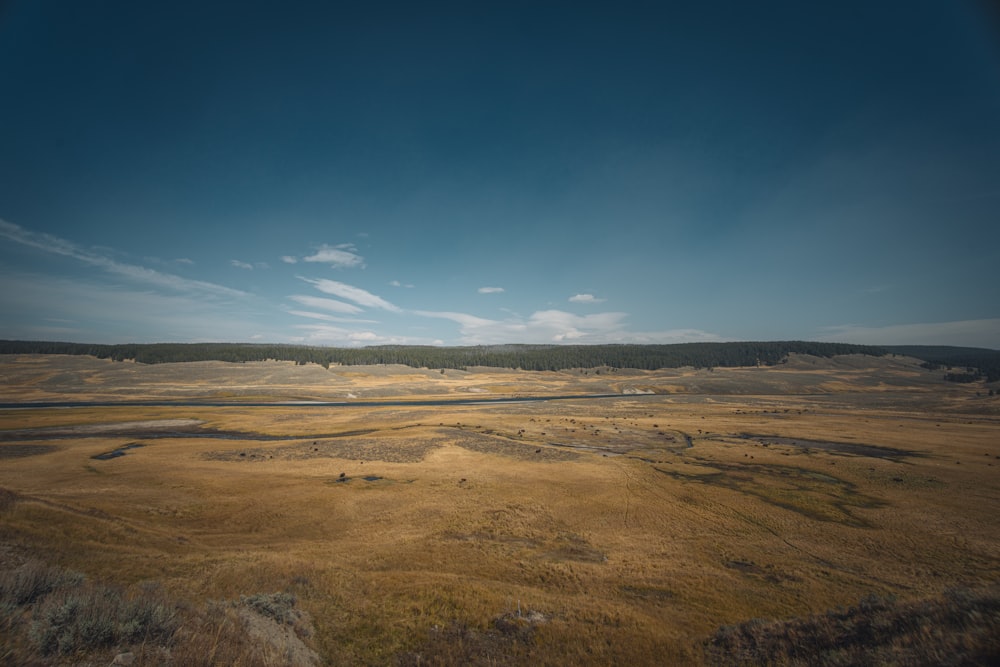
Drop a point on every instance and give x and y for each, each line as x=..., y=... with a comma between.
x=91, y=617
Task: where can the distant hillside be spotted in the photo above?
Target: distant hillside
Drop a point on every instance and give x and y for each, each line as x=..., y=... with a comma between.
x=526, y=357
x=978, y=362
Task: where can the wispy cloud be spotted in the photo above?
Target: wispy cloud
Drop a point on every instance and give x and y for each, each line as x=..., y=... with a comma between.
x=334, y=335
x=972, y=333
x=351, y=293
x=396, y=283
x=184, y=260
x=248, y=266
x=308, y=314
x=561, y=326
x=585, y=298
x=321, y=303
x=666, y=337
x=343, y=256
x=140, y=274
x=490, y=290
x=549, y=326
x=107, y=313
x=557, y=326
x=288, y=259
x=467, y=321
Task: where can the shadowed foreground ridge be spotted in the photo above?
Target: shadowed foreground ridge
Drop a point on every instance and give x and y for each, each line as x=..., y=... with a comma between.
x=49, y=615
x=962, y=627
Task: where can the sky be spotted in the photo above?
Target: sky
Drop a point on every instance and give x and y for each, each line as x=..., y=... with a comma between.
x=468, y=173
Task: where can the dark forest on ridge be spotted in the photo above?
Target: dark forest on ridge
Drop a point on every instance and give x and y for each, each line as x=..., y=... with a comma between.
x=976, y=363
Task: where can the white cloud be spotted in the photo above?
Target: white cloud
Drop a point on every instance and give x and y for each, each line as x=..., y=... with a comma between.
x=666, y=337
x=490, y=290
x=107, y=311
x=971, y=333
x=57, y=246
x=184, y=260
x=326, y=304
x=329, y=318
x=351, y=293
x=248, y=266
x=556, y=326
x=467, y=321
x=396, y=283
x=560, y=326
x=549, y=326
x=586, y=298
x=333, y=335
x=288, y=259
x=341, y=256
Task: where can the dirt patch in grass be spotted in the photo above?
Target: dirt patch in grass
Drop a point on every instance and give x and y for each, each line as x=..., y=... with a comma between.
x=577, y=549
x=116, y=453
x=22, y=451
x=767, y=572
x=148, y=428
x=648, y=593
x=502, y=446
x=854, y=449
x=375, y=448
x=815, y=495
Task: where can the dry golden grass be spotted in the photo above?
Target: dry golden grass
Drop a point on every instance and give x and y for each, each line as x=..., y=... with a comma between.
x=630, y=527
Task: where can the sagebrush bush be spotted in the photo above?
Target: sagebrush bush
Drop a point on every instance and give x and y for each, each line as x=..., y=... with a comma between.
x=32, y=581
x=49, y=615
x=962, y=627
x=89, y=617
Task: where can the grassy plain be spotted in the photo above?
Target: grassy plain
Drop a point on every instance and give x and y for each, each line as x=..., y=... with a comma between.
x=580, y=531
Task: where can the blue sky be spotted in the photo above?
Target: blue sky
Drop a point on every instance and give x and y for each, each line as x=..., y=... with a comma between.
x=469, y=173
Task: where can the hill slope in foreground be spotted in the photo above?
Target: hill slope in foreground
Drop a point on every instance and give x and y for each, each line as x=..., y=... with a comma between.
x=641, y=527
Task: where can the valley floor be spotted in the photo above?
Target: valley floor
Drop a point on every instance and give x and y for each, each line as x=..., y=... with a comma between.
x=623, y=529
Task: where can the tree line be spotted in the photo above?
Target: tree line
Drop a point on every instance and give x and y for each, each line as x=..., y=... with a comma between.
x=524, y=357
x=978, y=362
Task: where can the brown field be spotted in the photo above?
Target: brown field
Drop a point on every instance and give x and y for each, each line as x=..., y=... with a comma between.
x=582, y=531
